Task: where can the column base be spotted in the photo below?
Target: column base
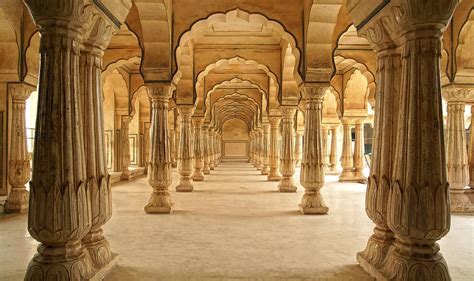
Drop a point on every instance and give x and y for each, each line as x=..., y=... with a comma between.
x=462, y=201
x=98, y=249
x=185, y=185
x=378, y=246
x=17, y=201
x=212, y=166
x=58, y=267
x=108, y=268
x=350, y=177
x=159, y=203
x=126, y=175
x=423, y=267
x=273, y=177
x=198, y=175
x=287, y=185
x=265, y=170
x=206, y=170
x=312, y=204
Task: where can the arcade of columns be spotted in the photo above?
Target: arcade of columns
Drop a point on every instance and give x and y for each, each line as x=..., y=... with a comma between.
x=413, y=172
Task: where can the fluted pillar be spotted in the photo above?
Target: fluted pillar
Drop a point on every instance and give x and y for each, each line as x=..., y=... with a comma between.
x=324, y=137
x=347, y=157
x=287, y=161
x=212, y=161
x=205, y=144
x=146, y=146
x=159, y=170
x=359, y=152
x=265, y=148
x=198, y=174
x=250, y=147
x=124, y=135
x=172, y=140
x=274, y=158
x=254, y=147
x=462, y=198
x=298, y=147
x=177, y=137
x=312, y=166
x=471, y=152
x=186, y=150
x=59, y=213
x=19, y=163
x=333, y=167
x=259, y=143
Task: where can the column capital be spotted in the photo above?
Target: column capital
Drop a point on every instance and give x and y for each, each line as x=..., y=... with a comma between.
x=159, y=90
x=274, y=121
x=126, y=119
x=197, y=121
x=20, y=91
x=186, y=110
x=288, y=111
x=147, y=125
x=314, y=90
x=457, y=94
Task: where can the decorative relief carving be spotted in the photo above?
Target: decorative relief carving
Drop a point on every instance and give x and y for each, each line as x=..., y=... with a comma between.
x=186, y=150
x=287, y=163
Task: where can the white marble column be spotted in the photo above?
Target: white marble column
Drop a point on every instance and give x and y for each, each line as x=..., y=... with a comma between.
x=287, y=161
x=19, y=163
x=462, y=198
x=324, y=137
x=205, y=142
x=333, y=168
x=312, y=166
x=265, y=148
x=186, y=150
x=298, y=147
x=59, y=205
x=212, y=163
x=359, y=152
x=198, y=174
x=125, y=146
x=172, y=140
x=347, y=157
x=159, y=170
x=274, y=159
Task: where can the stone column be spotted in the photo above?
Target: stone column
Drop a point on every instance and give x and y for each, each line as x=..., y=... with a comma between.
x=346, y=158
x=265, y=148
x=216, y=148
x=333, y=170
x=159, y=170
x=198, y=174
x=124, y=132
x=383, y=153
x=94, y=144
x=186, y=150
x=177, y=137
x=457, y=157
x=274, y=173
x=205, y=143
x=212, y=163
x=324, y=137
x=146, y=146
x=418, y=199
x=254, y=148
x=287, y=161
x=312, y=166
x=59, y=213
x=172, y=140
x=19, y=163
x=471, y=151
x=359, y=152
x=298, y=147
x=250, y=147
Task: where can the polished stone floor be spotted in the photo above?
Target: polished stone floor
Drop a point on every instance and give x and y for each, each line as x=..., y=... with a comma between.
x=236, y=226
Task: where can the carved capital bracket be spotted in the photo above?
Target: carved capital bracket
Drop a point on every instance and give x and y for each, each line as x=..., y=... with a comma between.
x=455, y=93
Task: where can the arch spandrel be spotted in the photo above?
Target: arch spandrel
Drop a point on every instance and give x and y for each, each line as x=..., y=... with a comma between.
x=9, y=49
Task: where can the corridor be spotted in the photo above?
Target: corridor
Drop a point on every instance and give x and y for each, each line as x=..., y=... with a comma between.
x=235, y=225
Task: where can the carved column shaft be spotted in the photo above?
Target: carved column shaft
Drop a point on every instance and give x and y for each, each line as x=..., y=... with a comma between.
x=298, y=148
x=457, y=160
x=19, y=163
x=333, y=154
x=186, y=150
x=146, y=145
x=471, y=152
x=59, y=209
x=159, y=170
x=265, y=148
x=347, y=157
x=212, y=161
x=172, y=141
x=287, y=161
x=125, y=132
x=274, y=158
x=324, y=133
x=198, y=174
x=205, y=143
x=312, y=166
x=359, y=151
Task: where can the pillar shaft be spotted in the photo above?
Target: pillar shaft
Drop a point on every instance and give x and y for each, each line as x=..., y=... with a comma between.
x=205, y=143
x=198, y=174
x=172, y=141
x=146, y=146
x=19, y=163
x=298, y=148
x=212, y=160
x=287, y=161
x=186, y=150
x=159, y=170
x=359, y=151
x=347, y=157
x=274, y=157
x=59, y=184
x=265, y=149
x=324, y=133
x=124, y=135
x=457, y=161
x=333, y=169
x=471, y=152
x=312, y=166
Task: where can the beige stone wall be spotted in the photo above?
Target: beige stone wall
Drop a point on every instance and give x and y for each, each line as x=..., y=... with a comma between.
x=235, y=138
